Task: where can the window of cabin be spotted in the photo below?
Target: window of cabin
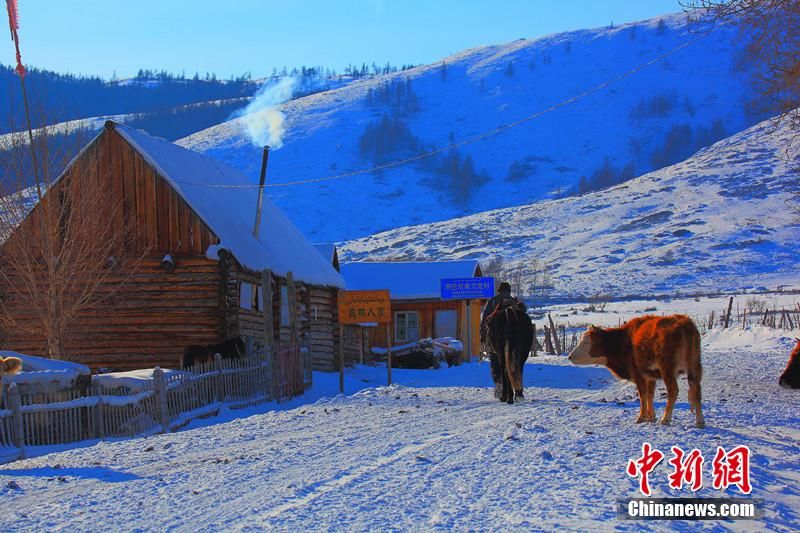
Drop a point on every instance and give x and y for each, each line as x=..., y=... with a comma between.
x=284, y=306
x=248, y=296
x=406, y=326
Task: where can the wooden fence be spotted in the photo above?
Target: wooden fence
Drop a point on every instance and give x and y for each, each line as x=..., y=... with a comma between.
x=164, y=403
x=754, y=313
x=555, y=339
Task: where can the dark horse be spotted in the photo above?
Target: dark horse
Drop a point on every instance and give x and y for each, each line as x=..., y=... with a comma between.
x=229, y=349
x=509, y=335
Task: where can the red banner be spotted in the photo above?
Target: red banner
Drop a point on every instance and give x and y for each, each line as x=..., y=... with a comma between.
x=13, y=17
x=13, y=24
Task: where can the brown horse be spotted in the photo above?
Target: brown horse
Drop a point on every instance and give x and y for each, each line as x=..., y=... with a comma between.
x=509, y=335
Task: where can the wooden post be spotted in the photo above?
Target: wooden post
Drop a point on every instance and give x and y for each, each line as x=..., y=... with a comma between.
x=361, y=344
x=469, y=333
x=269, y=332
x=292, y=297
x=220, y=384
x=290, y=373
x=99, y=419
x=308, y=368
x=341, y=357
x=15, y=403
x=160, y=387
x=548, y=341
x=302, y=365
x=266, y=369
x=388, y=355
x=249, y=347
x=728, y=314
x=266, y=303
x=554, y=332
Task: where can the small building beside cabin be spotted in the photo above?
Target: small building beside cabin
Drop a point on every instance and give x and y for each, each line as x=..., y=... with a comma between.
x=418, y=311
x=193, y=273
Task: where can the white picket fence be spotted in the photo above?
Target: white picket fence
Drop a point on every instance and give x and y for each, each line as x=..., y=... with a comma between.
x=166, y=403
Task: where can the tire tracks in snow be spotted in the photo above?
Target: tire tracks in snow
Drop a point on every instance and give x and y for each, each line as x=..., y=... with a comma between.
x=500, y=422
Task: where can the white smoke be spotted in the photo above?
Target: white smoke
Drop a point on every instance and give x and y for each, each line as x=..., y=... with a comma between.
x=264, y=122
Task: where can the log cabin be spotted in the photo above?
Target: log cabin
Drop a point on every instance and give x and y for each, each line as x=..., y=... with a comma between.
x=418, y=311
x=194, y=273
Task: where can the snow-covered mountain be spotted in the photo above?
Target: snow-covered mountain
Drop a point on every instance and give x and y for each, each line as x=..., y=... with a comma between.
x=656, y=116
x=720, y=220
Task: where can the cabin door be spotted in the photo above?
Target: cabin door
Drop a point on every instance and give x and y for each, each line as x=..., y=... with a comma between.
x=445, y=324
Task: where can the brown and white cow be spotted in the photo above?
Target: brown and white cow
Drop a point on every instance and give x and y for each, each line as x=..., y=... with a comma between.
x=644, y=350
x=790, y=379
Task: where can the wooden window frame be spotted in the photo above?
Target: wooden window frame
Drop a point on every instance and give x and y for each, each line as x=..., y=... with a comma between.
x=254, y=299
x=406, y=338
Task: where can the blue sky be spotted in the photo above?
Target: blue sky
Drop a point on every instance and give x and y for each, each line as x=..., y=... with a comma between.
x=234, y=36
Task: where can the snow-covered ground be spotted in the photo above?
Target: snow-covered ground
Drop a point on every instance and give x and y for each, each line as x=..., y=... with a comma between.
x=718, y=221
x=433, y=451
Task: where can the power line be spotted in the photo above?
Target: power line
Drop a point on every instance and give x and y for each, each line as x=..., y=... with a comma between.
x=479, y=137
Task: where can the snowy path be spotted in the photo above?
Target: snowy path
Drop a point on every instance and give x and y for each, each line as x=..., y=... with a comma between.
x=420, y=456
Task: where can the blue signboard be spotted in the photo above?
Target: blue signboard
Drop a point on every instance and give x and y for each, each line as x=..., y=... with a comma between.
x=467, y=288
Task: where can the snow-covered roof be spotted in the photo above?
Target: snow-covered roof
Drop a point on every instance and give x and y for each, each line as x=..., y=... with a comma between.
x=326, y=250
x=406, y=280
x=229, y=211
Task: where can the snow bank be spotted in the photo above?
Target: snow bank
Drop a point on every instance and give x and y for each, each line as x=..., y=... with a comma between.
x=136, y=381
x=753, y=337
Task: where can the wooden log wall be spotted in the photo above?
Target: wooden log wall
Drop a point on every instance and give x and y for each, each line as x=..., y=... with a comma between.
x=314, y=314
x=146, y=322
x=163, y=220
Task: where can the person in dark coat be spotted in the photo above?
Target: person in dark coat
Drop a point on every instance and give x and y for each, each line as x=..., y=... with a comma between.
x=503, y=299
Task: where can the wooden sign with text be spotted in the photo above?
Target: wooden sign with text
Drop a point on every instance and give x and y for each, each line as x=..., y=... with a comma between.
x=358, y=307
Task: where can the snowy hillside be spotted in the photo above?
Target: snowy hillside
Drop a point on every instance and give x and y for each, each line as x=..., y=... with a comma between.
x=654, y=117
x=717, y=221
x=433, y=452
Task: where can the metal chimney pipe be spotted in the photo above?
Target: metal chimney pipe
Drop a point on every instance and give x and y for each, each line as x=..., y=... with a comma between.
x=261, y=181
